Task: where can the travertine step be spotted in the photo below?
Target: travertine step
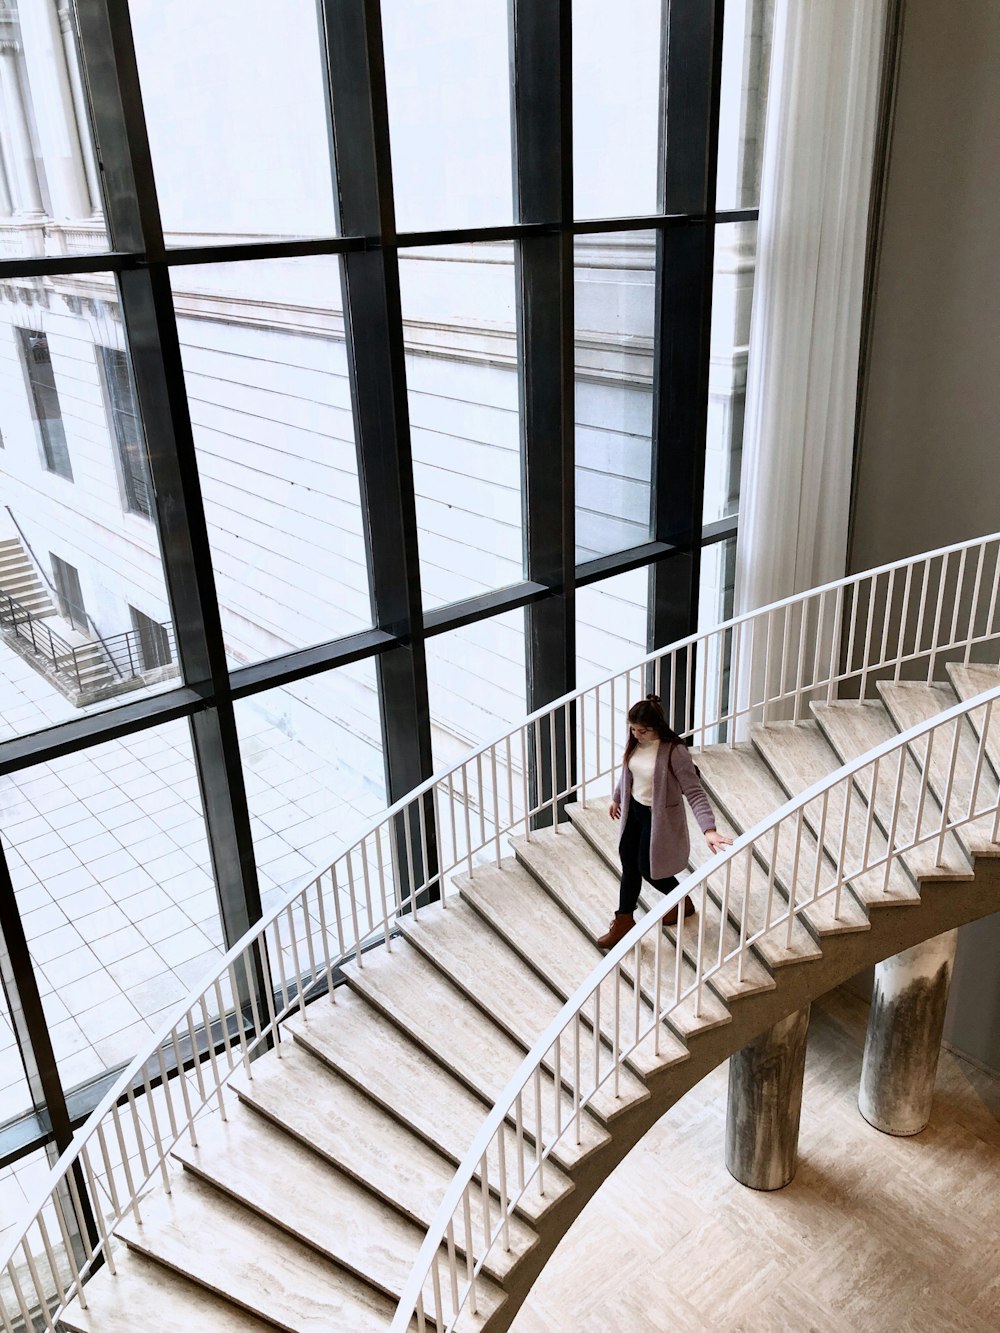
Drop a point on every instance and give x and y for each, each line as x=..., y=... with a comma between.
x=910, y=703
x=855, y=728
x=312, y=1102
x=144, y=1295
x=600, y=831
x=800, y=756
x=537, y=929
x=237, y=1254
x=394, y=1071
x=278, y=1177
x=486, y=969
x=741, y=783
x=970, y=680
x=583, y=886
x=411, y=992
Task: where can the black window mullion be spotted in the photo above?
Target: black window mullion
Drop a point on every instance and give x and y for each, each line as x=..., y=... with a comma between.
x=359, y=122
x=133, y=215
x=541, y=42
x=689, y=131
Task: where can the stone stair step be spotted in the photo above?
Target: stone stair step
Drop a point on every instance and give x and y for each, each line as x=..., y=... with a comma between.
x=909, y=703
x=537, y=929
x=970, y=680
x=378, y=1059
x=206, y=1236
x=274, y=1175
x=593, y=822
x=313, y=1103
x=855, y=728
x=145, y=1295
x=799, y=755
x=492, y=975
x=587, y=891
x=743, y=786
x=409, y=991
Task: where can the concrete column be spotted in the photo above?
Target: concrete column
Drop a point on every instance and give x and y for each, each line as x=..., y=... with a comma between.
x=80, y=106
x=18, y=155
x=55, y=117
x=765, y=1100
x=904, y=1036
x=6, y=198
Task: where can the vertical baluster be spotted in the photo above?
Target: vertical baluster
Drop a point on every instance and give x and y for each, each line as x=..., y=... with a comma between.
x=495, y=775
x=734, y=683
x=442, y=876
x=338, y=911
x=870, y=817
x=597, y=1038
x=300, y=989
x=504, y=1195
x=765, y=692
x=939, y=608
x=212, y=1060
x=539, y=1138
x=925, y=772
x=636, y=990
x=824, y=812
x=699, y=955
x=328, y=953
x=887, y=617
x=980, y=759
x=482, y=800
x=525, y=785
x=988, y=627
x=470, y=1262
x=970, y=637
x=577, y=1076
x=50, y=1257
x=519, y=1139
x=353, y=899
x=704, y=689
x=453, y=1266
x=771, y=872
x=486, y=1202
x=366, y=880
x=411, y=869
x=425, y=865
x=903, y=615
x=745, y=910
x=838, y=614
x=869, y=624
x=948, y=787
x=959, y=585
x=657, y=986
x=40, y=1291
x=467, y=819
x=511, y=821
x=842, y=852
x=185, y=1094
x=616, y=981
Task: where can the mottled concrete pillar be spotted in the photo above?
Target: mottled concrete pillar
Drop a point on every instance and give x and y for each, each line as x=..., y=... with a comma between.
x=904, y=1036
x=765, y=1100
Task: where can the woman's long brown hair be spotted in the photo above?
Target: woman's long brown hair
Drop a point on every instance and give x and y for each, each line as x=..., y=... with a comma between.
x=649, y=713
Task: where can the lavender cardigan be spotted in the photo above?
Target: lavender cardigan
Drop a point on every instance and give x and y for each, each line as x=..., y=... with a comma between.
x=674, y=775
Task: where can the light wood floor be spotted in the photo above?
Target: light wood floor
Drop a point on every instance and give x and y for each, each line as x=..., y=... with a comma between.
x=874, y=1235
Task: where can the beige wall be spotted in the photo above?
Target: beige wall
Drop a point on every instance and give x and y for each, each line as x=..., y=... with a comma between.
x=929, y=466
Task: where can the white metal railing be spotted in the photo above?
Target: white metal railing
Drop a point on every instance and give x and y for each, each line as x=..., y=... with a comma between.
x=904, y=619
x=628, y=999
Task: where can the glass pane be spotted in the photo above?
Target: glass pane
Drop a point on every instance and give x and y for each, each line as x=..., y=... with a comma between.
x=265, y=365
x=447, y=78
x=235, y=103
x=611, y=626
x=746, y=63
x=50, y=196
x=477, y=686
x=76, y=556
x=314, y=772
x=15, y=1096
x=615, y=300
x=461, y=373
x=616, y=107
x=732, y=300
x=115, y=890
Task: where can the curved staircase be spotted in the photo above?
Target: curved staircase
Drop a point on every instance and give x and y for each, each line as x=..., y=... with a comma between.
x=316, y=1187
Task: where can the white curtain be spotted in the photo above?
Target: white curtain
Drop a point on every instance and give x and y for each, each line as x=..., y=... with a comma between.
x=805, y=327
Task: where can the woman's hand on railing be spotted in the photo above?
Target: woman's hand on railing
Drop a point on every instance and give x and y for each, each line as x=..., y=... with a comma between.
x=615, y=810
x=716, y=840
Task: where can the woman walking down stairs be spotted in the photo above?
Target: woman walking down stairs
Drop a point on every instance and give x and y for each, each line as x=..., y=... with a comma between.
x=401, y=1129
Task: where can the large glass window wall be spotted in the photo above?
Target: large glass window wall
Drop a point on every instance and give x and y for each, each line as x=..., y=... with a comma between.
x=340, y=502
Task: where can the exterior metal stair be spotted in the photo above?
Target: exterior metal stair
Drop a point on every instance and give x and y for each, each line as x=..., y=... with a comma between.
x=305, y=1207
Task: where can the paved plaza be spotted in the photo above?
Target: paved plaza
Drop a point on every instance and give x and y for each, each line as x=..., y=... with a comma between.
x=111, y=869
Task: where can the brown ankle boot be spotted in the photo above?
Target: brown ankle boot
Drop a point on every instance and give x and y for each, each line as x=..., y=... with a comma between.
x=621, y=924
x=689, y=910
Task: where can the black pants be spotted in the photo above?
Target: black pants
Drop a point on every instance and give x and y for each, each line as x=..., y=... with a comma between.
x=634, y=849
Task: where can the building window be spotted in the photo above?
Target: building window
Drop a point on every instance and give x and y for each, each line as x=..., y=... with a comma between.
x=133, y=464
x=153, y=642
x=69, y=594
x=45, y=402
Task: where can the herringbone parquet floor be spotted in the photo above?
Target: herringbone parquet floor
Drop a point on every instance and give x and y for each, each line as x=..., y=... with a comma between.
x=874, y=1235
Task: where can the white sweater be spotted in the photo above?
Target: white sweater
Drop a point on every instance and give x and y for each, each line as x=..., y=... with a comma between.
x=641, y=766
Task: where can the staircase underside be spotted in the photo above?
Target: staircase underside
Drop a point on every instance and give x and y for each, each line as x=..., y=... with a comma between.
x=306, y=1208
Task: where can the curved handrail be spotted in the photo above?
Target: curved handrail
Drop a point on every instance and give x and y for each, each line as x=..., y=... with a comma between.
x=781, y=657
x=509, y=1109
